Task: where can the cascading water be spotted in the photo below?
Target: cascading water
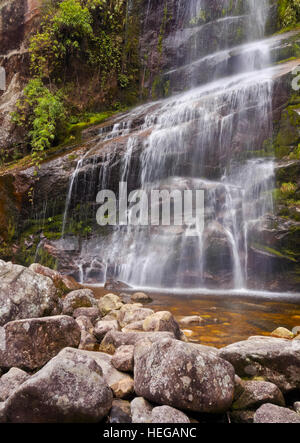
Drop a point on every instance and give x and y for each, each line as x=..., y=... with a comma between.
x=205, y=138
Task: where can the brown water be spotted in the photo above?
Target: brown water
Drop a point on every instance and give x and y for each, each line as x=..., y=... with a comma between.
x=228, y=319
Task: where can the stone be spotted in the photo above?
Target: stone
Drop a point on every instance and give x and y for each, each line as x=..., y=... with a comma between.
x=10, y=381
x=133, y=313
x=88, y=340
x=269, y=413
x=25, y=294
x=83, y=298
x=242, y=416
x=123, y=358
x=166, y=414
x=180, y=375
x=102, y=327
x=297, y=407
x=276, y=360
x=141, y=297
x=282, y=333
x=70, y=388
x=162, y=321
x=134, y=327
x=141, y=410
x=108, y=303
x=123, y=388
x=255, y=393
x=30, y=343
x=2, y=412
x=115, y=339
x=193, y=320
x=92, y=313
x=120, y=412
x=62, y=282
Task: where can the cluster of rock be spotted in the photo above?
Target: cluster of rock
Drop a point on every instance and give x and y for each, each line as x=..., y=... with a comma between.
x=74, y=358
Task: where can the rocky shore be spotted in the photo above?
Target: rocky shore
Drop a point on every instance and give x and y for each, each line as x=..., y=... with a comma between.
x=66, y=356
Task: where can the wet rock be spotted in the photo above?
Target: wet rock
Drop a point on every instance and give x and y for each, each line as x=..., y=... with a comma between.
x=276, y=360
x=120, y=412
x=92, y=313
x=10, y=381
x=123, y=388
x=83, y=298
x=141, y=297
x=103, y=327
x=108, y=303
x=166, y=414
x=123, y=358
x=141, y=410
x=70, y=388
x=183, y=376
x=25, y=294
x=282, y=333
x=255, y=393
x=242, y=416
x=162, y=321
x=269, y=413
x=88, y=340
x=30, y=343
x=193, y=320
x=115, y=339
x=62, y=282
x=133, y=313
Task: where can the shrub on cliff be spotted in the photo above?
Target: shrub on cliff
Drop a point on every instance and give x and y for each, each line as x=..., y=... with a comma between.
x=289, y=12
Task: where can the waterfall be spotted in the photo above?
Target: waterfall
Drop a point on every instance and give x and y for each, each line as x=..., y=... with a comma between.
x=205, y=137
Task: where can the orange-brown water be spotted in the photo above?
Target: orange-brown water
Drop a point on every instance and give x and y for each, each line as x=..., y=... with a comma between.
x=227, y=319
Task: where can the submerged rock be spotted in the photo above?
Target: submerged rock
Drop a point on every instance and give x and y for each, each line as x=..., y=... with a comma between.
x=26, y=294
x=10, y=381
x=70, y=388
x=183, y=376
x=194, y=320
x=31, y=343
x=269, y=413
x=276, y=360
x=140, y=297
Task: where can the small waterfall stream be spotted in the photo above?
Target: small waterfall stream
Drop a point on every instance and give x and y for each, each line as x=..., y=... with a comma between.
x=205, y=138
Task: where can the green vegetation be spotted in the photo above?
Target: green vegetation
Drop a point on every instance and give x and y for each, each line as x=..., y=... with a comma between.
x=288, y=13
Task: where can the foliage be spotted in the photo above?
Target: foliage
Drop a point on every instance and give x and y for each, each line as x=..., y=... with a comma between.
x=288, y=189
x=289, y=12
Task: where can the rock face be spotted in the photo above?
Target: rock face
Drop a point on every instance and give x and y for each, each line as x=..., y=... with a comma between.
x=70, y=388
x=255, y=393
x=10, y=381
x=269, y=413
x=276, y=360
x=25, y=294
x=180, y=375
x=82, y=298
x=31, y=343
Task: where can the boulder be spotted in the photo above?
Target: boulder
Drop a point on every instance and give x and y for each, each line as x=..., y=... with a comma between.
x=2, y=412
x=115, y=339
x=133, y=313
x=183, y=376
x=123, y=388
x=162, y=321
x=140, y=297
x=70, y=388
x=255, y=393
x=123, y=358
x=108, y=303
x=282, y=333
x=269, y=413
x=10, y=381
x=120, y=412
x=193, y=320
x=87, y=340
x=83, y=298
x=92, y=313
x=276, y=360
x=62, y=282
x=141, y=410
x=134, y=327
x=166, y=414
x=103, y=327
x=25, y=294
x=30, y=343
x=297, y=407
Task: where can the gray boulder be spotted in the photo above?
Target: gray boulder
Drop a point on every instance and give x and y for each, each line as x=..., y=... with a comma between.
x=269, y=413
x=30, y=343
x=82, y=298
x=162, y=321
x=10, y=381
x=181, y=375
x=255, y=393
x=141, y=410
x=69, y=389
x=166, y=414
x=102, y=327
x=123, y=358
x=115, y=339
x=26, y=294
